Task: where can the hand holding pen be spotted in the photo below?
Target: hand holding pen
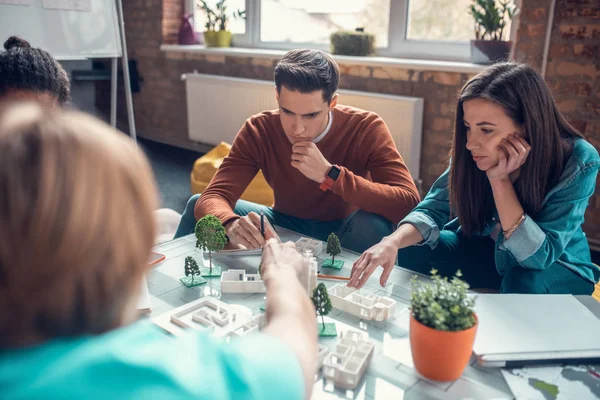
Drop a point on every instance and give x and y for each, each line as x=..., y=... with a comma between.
x=251, y=231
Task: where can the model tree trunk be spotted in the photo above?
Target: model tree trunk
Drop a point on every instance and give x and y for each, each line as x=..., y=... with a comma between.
x=210, y=261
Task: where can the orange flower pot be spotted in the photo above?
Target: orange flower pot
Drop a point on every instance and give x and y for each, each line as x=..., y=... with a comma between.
x=441, y=355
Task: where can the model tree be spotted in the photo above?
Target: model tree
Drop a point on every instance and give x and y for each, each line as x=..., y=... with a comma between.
x=210, y=236
x=322, y=303
x=333, y=249
x=192, y=272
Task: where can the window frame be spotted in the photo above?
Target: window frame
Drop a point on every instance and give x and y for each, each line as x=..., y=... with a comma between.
x=398, y=45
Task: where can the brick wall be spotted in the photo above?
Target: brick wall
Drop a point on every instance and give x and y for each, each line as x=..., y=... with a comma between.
x=573, y=72
x=573, y=68
x=574, y=75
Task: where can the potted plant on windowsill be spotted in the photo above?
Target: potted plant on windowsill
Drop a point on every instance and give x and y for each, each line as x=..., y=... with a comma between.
x=216, y=34
x=490, y=21
x=442, y=327
x=348, y=43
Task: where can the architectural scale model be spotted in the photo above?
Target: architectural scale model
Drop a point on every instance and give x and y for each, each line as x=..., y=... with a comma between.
x=369, y=307
x=322, y=353
x=238, y=281
x=255, y=324
x=315, y=246
x=308, y=275
x=346, y=365
x=334, y=248
x=210, y=236
x=208, y=314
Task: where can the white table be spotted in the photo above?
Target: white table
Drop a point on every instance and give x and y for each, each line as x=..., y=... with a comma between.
x=390, y=374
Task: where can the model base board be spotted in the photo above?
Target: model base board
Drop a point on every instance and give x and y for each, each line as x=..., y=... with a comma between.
x=189, y=282
x=337, y=264
x=206, y=272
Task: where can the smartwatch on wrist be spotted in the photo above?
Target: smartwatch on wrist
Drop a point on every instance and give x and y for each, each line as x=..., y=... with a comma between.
x=330, y=178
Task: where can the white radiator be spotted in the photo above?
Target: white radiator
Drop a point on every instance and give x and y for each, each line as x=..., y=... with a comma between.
x=218, y=106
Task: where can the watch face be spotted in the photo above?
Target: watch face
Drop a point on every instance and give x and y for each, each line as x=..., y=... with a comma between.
x=334, y=173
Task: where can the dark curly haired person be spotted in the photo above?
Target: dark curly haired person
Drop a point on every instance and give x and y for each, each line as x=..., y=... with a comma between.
x=28, y=73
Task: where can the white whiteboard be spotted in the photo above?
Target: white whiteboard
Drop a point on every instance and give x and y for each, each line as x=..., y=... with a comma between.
x=67, y=30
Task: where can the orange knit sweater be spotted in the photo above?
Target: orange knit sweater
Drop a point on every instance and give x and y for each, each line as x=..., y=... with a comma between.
x=373, y=176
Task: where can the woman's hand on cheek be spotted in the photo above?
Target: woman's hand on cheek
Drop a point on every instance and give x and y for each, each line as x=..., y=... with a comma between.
x=513, y=152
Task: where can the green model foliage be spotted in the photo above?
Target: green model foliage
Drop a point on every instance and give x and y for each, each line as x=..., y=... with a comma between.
x=321, y=300
x=191, y=267
x=333, y=246
x=210, y=235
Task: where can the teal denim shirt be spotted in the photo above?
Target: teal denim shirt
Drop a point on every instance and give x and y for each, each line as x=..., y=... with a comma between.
x=554, y=236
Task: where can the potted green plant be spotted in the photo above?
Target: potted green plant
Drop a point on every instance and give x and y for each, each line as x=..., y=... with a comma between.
x=442, y=326
x=217, y=19
x=490, y=20
x=352, y=43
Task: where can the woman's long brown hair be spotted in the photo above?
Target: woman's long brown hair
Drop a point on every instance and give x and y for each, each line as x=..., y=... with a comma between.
x=526, y=99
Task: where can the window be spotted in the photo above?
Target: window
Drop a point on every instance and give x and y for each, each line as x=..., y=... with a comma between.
x=313, y=21
x=443, y=20
x=424, y=29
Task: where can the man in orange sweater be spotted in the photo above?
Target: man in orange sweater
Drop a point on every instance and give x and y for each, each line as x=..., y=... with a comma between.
x=332, y=168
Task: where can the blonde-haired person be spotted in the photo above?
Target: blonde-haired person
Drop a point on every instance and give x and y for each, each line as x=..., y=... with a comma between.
x=76, y=203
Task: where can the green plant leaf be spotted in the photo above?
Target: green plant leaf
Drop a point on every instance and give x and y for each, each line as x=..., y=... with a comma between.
x=490, y=20
x=441, y=304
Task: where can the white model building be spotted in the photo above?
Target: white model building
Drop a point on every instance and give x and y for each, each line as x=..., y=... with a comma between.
x=238, y=281
x=347, y=364
x=315, y=246
x=308, y=274
x=208, y=314
x=322, y=352
x=370, y=307
x=254, y=325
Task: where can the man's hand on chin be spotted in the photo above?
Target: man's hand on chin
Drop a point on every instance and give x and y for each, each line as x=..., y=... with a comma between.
x=308, y=159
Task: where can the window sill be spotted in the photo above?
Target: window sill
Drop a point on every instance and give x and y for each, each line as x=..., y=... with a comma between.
x=422, y=65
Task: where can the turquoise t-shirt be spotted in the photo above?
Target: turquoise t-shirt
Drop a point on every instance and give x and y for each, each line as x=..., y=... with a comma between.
x=141, y=362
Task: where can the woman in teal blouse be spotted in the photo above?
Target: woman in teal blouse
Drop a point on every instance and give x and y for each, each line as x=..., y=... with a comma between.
x=508, y=211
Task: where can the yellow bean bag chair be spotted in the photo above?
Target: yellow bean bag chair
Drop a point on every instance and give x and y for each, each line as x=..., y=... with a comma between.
x=206, y=166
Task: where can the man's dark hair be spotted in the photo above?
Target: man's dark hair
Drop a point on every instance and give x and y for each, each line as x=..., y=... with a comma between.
x=308, y=71
x=23, y=67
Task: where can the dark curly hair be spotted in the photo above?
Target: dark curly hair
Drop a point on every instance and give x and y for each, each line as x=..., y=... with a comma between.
x=23, y=67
